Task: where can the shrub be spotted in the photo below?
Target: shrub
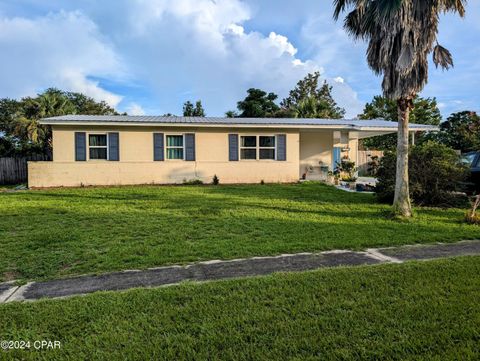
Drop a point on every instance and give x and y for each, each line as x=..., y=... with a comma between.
x=435, y=173
x=346, y=170
x=373, y=165
x=215, y=180
x=192, y=182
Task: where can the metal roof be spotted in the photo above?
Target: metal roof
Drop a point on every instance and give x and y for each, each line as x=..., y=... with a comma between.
x=232, y=122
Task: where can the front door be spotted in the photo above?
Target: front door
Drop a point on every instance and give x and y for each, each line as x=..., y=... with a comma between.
x=337, y=151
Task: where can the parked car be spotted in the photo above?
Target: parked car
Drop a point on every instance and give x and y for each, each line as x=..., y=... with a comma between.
x=472, y=159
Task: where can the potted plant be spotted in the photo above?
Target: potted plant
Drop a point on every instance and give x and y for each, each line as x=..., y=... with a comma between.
x=336, y=174
x=347, y=170
x=351, y=181
x=331, y=177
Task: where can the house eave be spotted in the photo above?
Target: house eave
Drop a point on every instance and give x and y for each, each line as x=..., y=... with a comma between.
x=233, y=125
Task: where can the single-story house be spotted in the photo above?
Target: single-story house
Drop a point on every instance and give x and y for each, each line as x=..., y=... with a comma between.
x=117, y=150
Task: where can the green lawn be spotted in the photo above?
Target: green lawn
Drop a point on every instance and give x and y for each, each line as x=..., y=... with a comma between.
x=58, y=232
x=423, y=311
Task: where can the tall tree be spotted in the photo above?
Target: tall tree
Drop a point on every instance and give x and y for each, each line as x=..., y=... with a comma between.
x=400, y=34
x=425, y=111
x=461, y=131
x=189, y=110
x=231, y=114
x=258, y=104
x=20, y=131
x=198, y=111
x=308, y=100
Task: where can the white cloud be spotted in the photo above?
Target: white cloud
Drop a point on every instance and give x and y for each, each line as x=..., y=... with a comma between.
x=202, y=46
x=346, y=97
x=332, y=48
x=236, y=29
x=168, y=48
x=135, y=109
x=282, y=43
x=63, y=50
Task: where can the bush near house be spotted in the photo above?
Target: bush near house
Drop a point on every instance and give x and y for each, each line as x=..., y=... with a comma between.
x=436, y=173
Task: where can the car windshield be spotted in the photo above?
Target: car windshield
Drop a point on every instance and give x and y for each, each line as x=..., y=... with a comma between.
x=468, y=158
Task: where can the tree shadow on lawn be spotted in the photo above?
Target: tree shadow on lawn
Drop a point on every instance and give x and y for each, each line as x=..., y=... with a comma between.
x=211, y=206
x=293, y=192
x=300, y=192
x=109, y=240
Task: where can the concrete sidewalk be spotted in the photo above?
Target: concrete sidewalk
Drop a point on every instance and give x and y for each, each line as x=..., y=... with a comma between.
x=215, y=270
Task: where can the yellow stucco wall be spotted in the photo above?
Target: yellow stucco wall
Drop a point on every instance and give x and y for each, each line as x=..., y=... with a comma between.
x=315, y=147
x=136, y=165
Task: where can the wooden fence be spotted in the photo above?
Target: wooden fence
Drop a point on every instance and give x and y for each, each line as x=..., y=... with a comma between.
x=14, y=170
x=364, y=157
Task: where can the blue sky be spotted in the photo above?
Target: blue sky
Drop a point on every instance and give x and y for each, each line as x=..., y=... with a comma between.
x=150, y=56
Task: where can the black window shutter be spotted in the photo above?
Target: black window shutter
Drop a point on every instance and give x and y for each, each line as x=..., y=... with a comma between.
x=190, y=146
x=158, y=147
x=113, y=147
x=233, y=147
x=80, y=146
x=281, y=147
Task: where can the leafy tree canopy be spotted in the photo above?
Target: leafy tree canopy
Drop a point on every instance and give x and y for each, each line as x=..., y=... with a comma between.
x=425, y=111
x=258, y=104
x=189, y=110
x=461, y=131
x=435, y=172
x=20, y=132
x=231, y=114
x=308, y=100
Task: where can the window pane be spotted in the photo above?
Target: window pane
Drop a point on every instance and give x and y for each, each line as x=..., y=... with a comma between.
x=97, y=140
x=248, y=154
x=267, y=141
x=98, y=153
x=267, y=153
x=249, y=141
x=174, y=141
x=175, y=153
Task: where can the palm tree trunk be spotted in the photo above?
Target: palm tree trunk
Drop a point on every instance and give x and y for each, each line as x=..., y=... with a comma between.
x=401, y=203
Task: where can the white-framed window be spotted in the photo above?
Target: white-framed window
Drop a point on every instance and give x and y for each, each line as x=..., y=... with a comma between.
x=175, y=146
x=266, y=147
x=97, y=146
x=257, y=147
x=248, y=147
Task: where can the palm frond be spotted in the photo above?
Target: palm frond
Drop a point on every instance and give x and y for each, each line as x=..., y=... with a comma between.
x=442, y=57
x=406, y=59
x=353, y=24
x=341, y=6
x=401, y=34
x=386, y=8
x=457, y=6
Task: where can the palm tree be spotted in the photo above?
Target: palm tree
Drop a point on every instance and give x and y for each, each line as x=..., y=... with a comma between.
x=51, y=103
x=307, y=108
x=400, y=34
x=29, y=129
